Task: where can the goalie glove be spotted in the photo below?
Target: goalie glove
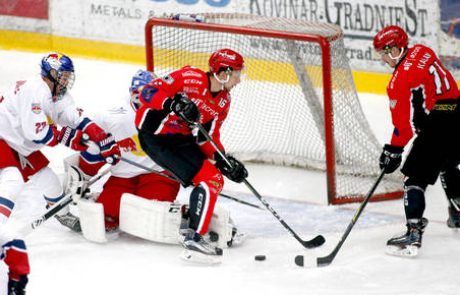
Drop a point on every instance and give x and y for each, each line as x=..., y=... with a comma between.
x=76, y=181
x=235, y=171
x=185, y=108
x=390, y=159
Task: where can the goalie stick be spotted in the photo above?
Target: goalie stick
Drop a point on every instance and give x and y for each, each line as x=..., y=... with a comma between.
x=315, y=242
x=173, y=178
x=65, y=201
x=326, y=260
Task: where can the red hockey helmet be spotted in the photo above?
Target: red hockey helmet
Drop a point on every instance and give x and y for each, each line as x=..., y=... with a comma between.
x=225, y=58
x=390, y=36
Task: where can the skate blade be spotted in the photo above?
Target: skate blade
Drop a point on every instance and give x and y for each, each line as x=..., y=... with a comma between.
x=200, y=258
x=409, y=251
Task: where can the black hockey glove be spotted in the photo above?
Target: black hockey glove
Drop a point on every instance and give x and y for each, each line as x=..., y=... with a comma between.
x=185, y=108
x=235, y=172
x=390, y=159
x=17, y=287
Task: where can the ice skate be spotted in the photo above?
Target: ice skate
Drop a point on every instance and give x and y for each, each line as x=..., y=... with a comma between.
x=454, y=219
x=197, y=249
x=408, y=244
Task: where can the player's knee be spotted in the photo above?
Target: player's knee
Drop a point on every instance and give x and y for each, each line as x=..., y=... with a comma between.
x=211, y=176
x=450, y=180
x=49, y=182
x=414, y=198
x=11, y=182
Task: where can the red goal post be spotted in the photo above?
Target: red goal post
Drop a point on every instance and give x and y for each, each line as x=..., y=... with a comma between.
x=302, y=61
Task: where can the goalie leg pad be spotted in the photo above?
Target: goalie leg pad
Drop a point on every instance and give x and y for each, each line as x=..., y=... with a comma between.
x=92, y=221
x=152, y=220
x=221, y=225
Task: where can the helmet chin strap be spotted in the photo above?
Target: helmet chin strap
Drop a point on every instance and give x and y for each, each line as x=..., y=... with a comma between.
x=397, y=57
x=222, y=82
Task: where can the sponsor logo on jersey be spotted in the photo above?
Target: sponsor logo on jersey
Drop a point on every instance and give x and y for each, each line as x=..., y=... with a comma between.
x=127, y=145
x=168, y=79
x=188, y=89
x=191, y=74
x=205, y=108
x=193, y=81
x=393, y=103
x=36, y=108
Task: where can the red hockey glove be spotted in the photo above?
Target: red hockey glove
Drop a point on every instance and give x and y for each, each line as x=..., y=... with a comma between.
x=109, y=149
x=72, y=139
x=390, y=159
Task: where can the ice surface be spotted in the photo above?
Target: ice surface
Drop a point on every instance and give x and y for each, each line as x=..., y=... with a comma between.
x=63, y=262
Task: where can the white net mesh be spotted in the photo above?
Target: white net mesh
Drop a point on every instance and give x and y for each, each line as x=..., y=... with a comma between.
x=277, y=113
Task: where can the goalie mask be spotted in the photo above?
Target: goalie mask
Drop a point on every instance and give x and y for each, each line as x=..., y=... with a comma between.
x=58, y=68
x=139, y=80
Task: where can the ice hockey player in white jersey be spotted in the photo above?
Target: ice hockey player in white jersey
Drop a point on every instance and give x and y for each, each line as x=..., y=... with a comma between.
x=31, y=112
x=14, y=264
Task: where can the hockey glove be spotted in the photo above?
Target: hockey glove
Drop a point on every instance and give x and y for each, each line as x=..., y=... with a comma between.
x=235, y=171
x=390, y=159
x=109, y=149
x=72, y=139
x=185, y=108
x=17, y=285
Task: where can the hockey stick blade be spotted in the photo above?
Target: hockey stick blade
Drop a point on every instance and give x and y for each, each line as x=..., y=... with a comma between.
x=300, y=260
x=310, y=262
x=317, y=241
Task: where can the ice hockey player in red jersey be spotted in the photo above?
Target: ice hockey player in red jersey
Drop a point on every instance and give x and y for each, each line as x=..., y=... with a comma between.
x=30, y=113
x=423, y=103
x=170, y=107
x=13, y=279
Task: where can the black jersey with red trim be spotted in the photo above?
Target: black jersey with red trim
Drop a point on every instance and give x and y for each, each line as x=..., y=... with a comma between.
x=155, y=115
x=418, y=83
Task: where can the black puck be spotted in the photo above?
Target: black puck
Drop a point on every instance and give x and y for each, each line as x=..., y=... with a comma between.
x=260, y=257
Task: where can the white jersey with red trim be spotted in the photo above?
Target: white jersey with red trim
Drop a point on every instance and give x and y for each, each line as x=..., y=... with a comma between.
x=120, y=122
x=28, y=109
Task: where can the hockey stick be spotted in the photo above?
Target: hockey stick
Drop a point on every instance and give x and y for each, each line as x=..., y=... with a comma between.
x=66, y=200
x=326, y=260
x=173, y=178
x=315, y=242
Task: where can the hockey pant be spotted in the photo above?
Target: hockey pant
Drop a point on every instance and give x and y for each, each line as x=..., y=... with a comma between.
x=183, y=158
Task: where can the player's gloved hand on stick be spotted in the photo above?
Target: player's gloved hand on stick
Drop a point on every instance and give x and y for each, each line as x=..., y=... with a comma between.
x=109, y=149
x=390, y=159
x=72, y=138
x=185, y=108
x=17, y=285
x=235, y=171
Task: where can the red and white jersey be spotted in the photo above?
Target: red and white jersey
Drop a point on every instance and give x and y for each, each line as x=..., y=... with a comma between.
x=120, y=122
x=26, y=112
x=195, y=84
x=420, y=71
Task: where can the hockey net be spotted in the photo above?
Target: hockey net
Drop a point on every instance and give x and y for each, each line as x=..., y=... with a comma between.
x=297, y=104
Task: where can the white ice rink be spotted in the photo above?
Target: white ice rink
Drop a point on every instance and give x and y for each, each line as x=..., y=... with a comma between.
x=64, y=263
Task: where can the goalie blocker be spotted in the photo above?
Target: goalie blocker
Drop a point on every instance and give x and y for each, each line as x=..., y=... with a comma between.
x=152, y=220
